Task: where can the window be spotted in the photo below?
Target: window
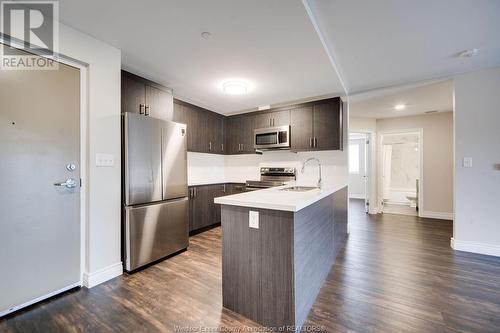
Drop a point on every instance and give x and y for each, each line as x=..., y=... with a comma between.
x=354, y=158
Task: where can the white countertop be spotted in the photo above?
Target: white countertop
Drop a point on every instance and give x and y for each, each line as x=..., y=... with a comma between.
x=275, y=198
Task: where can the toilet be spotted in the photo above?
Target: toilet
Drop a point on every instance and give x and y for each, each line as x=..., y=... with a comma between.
x=413, y=200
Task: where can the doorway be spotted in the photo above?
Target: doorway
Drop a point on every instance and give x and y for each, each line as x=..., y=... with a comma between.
x=41, y=231
x=359, y=167
x=401, y=174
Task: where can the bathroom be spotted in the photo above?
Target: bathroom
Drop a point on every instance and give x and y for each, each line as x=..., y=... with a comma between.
x=401, y=173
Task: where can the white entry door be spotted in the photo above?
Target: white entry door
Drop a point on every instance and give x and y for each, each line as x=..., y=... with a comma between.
x=39, y=184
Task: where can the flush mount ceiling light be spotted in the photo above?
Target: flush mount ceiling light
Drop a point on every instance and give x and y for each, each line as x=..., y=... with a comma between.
x=400, y=107
x=468, y=53
x=235, y=87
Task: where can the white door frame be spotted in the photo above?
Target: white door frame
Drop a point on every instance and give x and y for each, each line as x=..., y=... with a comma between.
x=370, y=169
x=83, y=67
x=380, y=155
x=367, y=167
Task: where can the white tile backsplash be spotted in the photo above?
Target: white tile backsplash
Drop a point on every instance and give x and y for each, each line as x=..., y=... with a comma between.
x=206, y=168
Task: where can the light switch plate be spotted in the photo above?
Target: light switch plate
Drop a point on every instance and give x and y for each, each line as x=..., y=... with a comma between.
x=104, y=160
x=467, y=162
x=253, y=219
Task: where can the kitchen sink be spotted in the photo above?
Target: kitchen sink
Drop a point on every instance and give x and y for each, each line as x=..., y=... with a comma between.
x=299, y=188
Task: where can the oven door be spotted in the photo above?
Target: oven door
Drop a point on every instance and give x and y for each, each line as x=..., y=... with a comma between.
x=272, y=138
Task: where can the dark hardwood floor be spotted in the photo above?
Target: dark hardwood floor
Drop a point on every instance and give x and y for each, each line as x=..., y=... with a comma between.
x=396, y=274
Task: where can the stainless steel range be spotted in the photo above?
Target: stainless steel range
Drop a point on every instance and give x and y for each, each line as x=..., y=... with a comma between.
x=271, y=177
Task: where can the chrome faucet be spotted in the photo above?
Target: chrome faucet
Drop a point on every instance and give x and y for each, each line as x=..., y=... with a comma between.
x=319, y=168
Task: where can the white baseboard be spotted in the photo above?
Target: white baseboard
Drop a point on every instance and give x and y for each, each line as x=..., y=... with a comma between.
x=481, y=248
x=356, y=196
x=107, y=273
x=38, y=299
x=437, y=215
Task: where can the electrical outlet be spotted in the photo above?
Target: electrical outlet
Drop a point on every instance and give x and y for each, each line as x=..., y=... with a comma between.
x=104, y=160
x=467, y=162
x=253, y=219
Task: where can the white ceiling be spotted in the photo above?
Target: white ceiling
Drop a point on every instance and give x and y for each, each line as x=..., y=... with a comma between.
x=417, y=98
x=292, y=50
x=389, y=42
x=272, y=44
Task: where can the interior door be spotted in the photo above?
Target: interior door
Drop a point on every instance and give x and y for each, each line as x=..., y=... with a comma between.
x=143, y=182
x=39, y=147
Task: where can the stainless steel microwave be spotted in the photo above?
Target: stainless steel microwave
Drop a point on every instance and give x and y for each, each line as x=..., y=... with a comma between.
x=272, y=138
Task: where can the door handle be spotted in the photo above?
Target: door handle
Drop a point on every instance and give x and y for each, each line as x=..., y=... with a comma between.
x=141, y=108
x=69, y=183
x=146, y=110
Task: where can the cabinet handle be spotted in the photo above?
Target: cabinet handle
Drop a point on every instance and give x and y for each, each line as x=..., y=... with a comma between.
x=210, y=146
x=194, y=192
x=273, y=121
x=310, y=142
x=315, y=142
x=222, y=146
x=270, y=122
x=242, y=147
x=141, y=108
x=146, y=110
x=224, y=188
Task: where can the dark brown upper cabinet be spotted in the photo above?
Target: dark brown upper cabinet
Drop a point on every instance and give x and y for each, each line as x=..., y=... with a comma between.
x=239, y=134
x=328, y=125
x=301, y=129
x=145, y=97
x=158, y=103
x=272, y=119
x=317, y=126
x=133, y=94
x=205, y=129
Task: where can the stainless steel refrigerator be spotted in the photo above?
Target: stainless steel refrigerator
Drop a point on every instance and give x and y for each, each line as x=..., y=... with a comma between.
x=155, y=218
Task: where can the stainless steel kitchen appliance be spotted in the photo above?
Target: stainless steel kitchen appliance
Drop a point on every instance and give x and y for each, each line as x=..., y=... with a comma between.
x=155, y=202
x=272, y=138
x=271, y=177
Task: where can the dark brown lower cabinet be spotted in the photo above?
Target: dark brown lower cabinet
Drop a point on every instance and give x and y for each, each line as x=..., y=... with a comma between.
x=203, y=212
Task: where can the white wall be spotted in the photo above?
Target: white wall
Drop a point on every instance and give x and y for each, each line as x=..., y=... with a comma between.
x=437, y=165
x=103, y=257
x=438, y=157
x=205, y=168
x=477, y=189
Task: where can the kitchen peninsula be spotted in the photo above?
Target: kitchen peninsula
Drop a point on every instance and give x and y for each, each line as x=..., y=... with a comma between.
x=278, y=246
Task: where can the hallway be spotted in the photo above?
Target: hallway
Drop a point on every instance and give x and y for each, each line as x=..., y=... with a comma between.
x=396, y=274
